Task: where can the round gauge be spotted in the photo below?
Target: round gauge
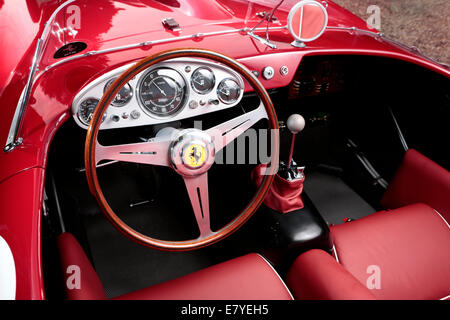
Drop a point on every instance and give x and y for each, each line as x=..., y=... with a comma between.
x=228, y=91
x=203, y=80
x=123, y=96
x=162, y=92
x=86, y=110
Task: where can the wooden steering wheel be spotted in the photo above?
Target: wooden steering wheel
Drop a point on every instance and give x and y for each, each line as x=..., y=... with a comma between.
x=173, y=152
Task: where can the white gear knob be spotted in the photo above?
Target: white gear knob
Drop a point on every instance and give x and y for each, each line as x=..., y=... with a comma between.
x=295, y=123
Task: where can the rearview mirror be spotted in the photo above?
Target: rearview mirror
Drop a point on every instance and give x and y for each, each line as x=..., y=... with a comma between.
x=307, y=20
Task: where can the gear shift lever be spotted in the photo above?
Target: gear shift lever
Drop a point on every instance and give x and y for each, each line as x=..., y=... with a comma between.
x=295, y=124
x=285, y=193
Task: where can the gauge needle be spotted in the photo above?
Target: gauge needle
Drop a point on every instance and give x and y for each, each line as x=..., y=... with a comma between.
x=201, y=82
x=226, y=92
x=162, y=91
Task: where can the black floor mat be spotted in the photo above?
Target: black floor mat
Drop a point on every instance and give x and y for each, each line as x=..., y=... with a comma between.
x=334, y=199
x=125, y=266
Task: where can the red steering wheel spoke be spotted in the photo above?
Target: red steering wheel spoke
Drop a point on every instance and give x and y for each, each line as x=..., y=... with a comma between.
x=228, y=131
x=152, y=152
x=197, y=187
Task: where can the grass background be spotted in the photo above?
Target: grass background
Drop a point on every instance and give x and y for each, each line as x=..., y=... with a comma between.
x=424, y=24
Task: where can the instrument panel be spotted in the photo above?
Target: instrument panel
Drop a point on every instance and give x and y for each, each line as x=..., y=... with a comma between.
x=173, y=90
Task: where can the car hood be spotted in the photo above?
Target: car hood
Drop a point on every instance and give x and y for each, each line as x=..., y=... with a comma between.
x=110, y=24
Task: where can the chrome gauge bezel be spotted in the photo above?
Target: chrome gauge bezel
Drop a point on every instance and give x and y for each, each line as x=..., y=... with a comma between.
x=239, y=94
x=120, y=117
x=79, y=109
x=178, y=109
x=114, y=103
x=211, y=88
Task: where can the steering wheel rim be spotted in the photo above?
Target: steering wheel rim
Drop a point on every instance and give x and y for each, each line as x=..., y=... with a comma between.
x=92, y=149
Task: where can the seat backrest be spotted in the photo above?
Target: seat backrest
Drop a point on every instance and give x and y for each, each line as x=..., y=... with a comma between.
x=419, y=180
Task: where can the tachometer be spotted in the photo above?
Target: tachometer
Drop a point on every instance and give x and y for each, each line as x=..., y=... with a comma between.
x=162, y=92
x=203, y=80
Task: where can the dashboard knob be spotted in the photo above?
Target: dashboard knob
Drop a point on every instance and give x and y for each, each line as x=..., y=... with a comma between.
x=135, y=114
x=193, y=104
x=268, y=73
x=295, y=123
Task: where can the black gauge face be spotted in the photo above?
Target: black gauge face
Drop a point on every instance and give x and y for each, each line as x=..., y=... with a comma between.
x=228, y=91
x=162, y=92
x=123, y=96
x=86, y=110
x=202, y=80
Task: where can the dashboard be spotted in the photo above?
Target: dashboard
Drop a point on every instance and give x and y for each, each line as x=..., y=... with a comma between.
x=172, y=90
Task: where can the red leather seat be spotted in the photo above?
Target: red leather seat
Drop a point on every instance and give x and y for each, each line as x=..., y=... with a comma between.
x=419, y=180
x=408, y=248
x=394, y=254
x=249, y=277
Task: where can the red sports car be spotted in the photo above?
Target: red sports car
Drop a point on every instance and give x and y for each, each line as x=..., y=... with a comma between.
x=218, y=150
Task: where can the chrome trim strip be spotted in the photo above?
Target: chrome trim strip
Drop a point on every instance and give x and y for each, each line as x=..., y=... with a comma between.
x=445, y=298
x=275, y=271
x=13, y=139
x=262, y=40
x=335, y=254
x=377, y=34
x=156, y=42
x=442, y=218
x=399, y=130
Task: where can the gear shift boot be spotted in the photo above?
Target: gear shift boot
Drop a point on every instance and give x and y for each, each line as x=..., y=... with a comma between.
x=285, y=195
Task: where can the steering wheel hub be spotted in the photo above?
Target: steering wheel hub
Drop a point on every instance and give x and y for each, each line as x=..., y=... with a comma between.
x=192, y=152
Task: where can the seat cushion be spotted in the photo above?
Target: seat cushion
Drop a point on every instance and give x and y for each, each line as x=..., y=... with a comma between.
x=81, y=282
x=315, y=275
x=249, y=277
x=409, y=247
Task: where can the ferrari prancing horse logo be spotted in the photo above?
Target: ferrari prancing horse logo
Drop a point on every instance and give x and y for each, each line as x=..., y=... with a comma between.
x=195, y=155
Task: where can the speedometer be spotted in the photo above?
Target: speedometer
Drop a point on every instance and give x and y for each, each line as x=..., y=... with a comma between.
x=162, y=92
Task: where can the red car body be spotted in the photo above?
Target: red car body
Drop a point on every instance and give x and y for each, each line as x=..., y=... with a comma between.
x=114, y=24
